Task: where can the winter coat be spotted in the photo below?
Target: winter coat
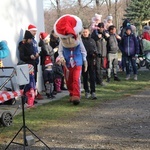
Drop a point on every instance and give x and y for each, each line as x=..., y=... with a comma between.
x=25, y=52
x=91, y=49
x=101, y=45
x=35, y=49
x=112, y=44
x=129, y=45
x=4, y=50
x=46, y=50
x=146, y=36
x=58, y=71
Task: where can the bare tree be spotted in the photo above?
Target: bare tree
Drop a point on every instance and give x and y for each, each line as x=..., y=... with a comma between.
x=116, y=2
x=99, y=3
x=56, y=5
x=58, y=8
x=79, y=3
x=109, y=5
x=85, y=9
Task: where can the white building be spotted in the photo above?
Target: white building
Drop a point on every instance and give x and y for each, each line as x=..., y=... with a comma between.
x=15, y=16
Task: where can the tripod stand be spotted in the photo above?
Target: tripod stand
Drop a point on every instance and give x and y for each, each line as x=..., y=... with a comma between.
x=24, y=128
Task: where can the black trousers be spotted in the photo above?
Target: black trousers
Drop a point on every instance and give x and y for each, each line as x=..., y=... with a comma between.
x=99, y=75
x=89, y=77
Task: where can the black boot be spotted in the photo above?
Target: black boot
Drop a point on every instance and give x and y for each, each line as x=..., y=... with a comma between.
x=108, y=79
x=116, y=78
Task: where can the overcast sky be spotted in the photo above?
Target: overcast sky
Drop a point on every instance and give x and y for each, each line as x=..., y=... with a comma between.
x=46, y=4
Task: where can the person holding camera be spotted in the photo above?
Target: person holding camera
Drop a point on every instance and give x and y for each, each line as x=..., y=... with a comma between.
x=89, y=75
x=100, y=35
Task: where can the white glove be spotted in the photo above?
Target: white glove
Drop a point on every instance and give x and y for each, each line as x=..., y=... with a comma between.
x=55, y=49
x=107, y=35
x=85, y=65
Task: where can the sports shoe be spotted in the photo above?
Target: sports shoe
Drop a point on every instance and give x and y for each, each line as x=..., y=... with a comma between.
x=128, y=77
x=93, y=96
x=135, y=77
x=116, y=78
x=103, y=84
x=35, y=102
x=87, y=95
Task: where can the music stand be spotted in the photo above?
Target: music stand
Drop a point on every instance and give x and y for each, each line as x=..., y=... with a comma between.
x=24, y=127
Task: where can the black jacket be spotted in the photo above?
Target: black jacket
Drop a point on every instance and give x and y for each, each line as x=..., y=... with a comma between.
x=58, y=71
x=25, y=52
x=100, y=42
x=91, y=49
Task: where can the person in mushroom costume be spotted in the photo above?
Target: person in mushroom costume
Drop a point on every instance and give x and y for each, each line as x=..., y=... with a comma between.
x=72, y=53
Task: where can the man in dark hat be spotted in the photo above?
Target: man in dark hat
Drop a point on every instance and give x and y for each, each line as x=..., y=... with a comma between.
x=100, y=36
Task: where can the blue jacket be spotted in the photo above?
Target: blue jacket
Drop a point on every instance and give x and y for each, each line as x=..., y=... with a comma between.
x=35, y=49
x=129, y=45
x=76, y=55
x=4, y=50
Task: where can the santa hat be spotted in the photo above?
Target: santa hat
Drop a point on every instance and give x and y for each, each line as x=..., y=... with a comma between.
x=32, y=27
x=68, y=24
x=48, y=62
x=44, y=35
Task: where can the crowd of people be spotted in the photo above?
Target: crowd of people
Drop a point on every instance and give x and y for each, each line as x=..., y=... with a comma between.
x=99, y=44
x=52, y=71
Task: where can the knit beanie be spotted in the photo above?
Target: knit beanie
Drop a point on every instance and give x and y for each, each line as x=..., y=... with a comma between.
x=128, y=28
x=28, y=35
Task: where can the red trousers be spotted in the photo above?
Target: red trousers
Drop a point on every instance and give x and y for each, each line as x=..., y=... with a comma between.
x=73, y=81
x=31, y=96
x=57, y=82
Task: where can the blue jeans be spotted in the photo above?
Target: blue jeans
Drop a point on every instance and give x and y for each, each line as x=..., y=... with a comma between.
x=130, y=62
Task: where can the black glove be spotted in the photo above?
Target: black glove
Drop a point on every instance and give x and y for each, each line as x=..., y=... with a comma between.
x=99, y=55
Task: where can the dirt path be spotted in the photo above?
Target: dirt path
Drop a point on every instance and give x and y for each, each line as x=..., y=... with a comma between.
x=115, y=125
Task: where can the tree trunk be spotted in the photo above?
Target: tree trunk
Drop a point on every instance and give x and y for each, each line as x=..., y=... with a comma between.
x=116, y=23
x=79, y=3
x=108, y=4
x=97, y=3
x=58, y=8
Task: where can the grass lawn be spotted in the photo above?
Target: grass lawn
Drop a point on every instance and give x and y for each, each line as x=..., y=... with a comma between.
x=40, y=117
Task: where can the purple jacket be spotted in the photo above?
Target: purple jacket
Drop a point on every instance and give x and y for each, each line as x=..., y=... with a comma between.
x=129, y=45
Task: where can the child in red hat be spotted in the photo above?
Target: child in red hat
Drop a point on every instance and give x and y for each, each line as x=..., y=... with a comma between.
x=58, y=71
x=30, y=88
x=47, y=60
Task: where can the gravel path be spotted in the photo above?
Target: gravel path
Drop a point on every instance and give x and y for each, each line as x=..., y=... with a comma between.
x=113, y=125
